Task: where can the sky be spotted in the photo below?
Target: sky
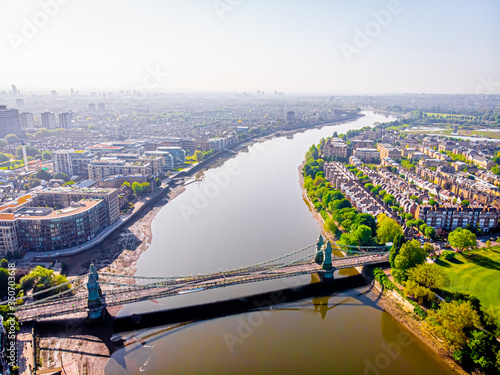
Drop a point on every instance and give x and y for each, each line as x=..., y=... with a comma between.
x=307, y=46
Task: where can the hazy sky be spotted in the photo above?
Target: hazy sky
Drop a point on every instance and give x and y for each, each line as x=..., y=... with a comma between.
x=309, y=46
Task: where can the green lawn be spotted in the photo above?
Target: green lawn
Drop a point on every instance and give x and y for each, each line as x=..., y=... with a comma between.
x=477, y=273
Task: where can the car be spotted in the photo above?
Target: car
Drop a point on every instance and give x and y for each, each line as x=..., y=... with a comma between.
x=447, y=246
x=493, y=238
x=483, y=240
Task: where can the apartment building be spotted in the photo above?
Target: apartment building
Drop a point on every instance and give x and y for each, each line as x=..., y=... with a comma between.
x=99, y=169
x=63, y=196
x=450, y=217
x=24, y=225
x=332, y=148
x=367, y=154
x=387, y=151
x=71, y=162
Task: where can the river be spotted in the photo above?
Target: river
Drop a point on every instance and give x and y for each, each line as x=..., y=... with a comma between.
x=250, y=209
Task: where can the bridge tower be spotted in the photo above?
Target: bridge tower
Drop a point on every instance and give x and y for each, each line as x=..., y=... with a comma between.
x=319, y=250
x=327, y=263
x=94, y=302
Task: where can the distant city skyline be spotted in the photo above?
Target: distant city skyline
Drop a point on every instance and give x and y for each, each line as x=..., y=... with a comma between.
x=313, y=47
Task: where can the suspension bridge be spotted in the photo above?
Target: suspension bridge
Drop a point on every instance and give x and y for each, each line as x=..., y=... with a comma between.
x=110, y=289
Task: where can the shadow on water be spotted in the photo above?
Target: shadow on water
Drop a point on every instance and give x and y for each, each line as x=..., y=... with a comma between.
x=241, y=305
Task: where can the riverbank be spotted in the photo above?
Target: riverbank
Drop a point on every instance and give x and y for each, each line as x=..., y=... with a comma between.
x=387, y=302
x=88, y=346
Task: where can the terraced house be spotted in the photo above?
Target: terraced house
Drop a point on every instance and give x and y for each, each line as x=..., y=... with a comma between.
x=450, y=217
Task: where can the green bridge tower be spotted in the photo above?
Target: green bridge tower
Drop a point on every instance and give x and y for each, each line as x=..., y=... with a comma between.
x=94, y=303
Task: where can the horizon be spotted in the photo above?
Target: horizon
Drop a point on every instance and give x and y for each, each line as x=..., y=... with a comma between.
x=233, y=46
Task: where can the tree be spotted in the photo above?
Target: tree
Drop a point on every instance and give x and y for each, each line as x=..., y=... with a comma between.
x=3, y=158
x=421, y=294
x=42, y=174
x=12, y=138
x=464, y=203
x=452, y=321
x=47, y=155
x=137, y=188
x=414, y=198
x=62, y=176
x=362, y=235
x=30, y=151
x=429, y=275
x=462, y=239
x=422, y=227
x=410, y=255
x=432, y=202
x=366, y=219
x=396, y=247
x=488, y=244
x=389, y=199
x=158, y=182
x=198, y=155
x=342, y=203
x=126, y=183
x=387, y=228
x=146, y=188
x=41, y=278
x=430, y=232
x=483, y=349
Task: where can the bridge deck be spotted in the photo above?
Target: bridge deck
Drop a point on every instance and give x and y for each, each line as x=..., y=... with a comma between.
x=137, y=292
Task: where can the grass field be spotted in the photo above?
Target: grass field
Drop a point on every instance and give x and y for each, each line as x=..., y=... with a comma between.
x=477, y=273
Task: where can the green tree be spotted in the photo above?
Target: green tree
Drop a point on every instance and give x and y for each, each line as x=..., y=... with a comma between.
x=3, y=158
x=366, y=219
x=369, y=186
x=41, y=278
x=420, y=293
x=432, y=202
x=62, y=176
x=430, y=232
x=158, y=182
x=414, y=198
x=12, y=138
x=462, y=239
x=464, y=203
x=136, y=187
x=30, y=151
x=47, y=155
x=388, y=199
x=198, y=155
x=146, y=188
x=429, y=275
x=483, y=349
x=410, y=255
x=126, y=183
x=362, y=235
x=42, y=174
x=488, y=244
x=452, y=321
x=387, y=229
x=395, y=248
